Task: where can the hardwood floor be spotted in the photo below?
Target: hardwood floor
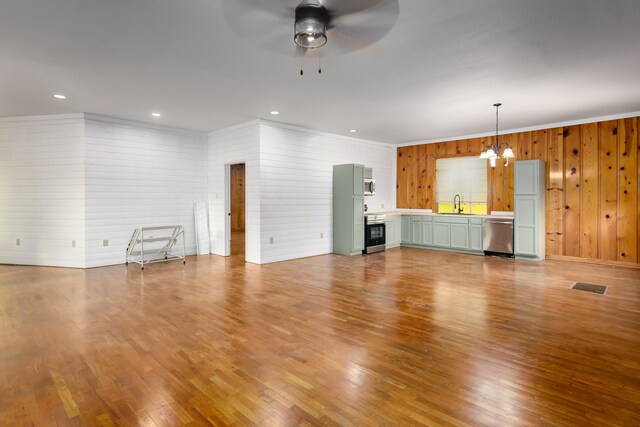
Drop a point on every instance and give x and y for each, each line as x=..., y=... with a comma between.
x=406, y=337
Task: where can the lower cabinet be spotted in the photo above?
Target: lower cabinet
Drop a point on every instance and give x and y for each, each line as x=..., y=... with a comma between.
x=405, y=234
x=416, y=230
x=427, y=232
x=457, y=233
x=393, y=231
x=475, y=237
x=460, y=236
x=441, y=234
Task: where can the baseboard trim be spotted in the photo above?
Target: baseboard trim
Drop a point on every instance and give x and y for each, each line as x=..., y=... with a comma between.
x=593, y=261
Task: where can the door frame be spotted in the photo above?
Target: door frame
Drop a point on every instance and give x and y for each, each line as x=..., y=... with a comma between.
x=227, y=206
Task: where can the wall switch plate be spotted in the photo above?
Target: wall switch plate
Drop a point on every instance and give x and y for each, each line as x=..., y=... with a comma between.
x=322, y=235
x=73, y=243
x=271, y=240
x=105, y=243
x=17, y=242
x=382, y=206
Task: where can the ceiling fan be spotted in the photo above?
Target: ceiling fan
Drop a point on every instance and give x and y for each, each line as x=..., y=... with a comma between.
x=333, y=27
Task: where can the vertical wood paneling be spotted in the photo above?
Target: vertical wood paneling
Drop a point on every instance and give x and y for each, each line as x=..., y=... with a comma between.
x=462, y=147
x=508, y=181
x=590, y=191
x=237, y=196
x=627, y=232
x=412, y=171
x=572, y=190
x=525, y=146
x=421, y=173
x=539, y=145
x=475, y=147
x=584, y=184
x=451, y=148
x=496, y=176
x=403, y=178
x=431, y=177
x=555, y=192
x=608, y=182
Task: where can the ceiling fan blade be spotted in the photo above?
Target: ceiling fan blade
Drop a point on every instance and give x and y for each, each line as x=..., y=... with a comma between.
x=359, y=30
x=281, y=8
x=339, y=8
x=267, y=26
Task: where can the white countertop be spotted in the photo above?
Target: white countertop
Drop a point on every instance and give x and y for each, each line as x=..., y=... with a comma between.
x=429, y=212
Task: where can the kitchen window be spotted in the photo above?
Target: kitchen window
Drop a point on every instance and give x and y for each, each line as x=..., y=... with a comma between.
x=466, y=176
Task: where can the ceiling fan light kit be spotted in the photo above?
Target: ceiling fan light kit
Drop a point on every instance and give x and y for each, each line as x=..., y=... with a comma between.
x=492, y=151
x=310, y=26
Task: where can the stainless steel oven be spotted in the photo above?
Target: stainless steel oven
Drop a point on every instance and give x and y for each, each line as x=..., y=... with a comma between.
x=375, y=233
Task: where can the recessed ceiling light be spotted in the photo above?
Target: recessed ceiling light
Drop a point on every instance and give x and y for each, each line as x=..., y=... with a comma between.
x=353, y=131
x=275, y=113
x=59, y=96
x=155, y=114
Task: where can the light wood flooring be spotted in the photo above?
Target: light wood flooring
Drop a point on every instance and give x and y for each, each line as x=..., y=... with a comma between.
x=406, y=337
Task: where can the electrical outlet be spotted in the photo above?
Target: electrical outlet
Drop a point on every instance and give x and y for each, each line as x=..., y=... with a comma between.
x=322, y=235
x=105, y=243
x=17, y=242
x=271, y=240
x=73, y=243
x=382, y=206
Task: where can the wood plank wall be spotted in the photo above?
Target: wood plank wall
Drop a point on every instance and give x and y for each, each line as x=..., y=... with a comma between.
x=237, y=196
x=593, y=200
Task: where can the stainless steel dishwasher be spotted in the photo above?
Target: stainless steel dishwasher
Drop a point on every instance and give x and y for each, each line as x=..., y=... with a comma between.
x=498, y=236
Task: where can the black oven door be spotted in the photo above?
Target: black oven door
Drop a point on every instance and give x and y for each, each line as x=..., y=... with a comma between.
x=375, y=234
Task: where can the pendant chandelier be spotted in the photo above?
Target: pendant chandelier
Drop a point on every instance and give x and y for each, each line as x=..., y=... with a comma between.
x=492, y=151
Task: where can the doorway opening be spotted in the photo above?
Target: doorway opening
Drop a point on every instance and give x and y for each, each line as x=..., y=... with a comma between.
x=237, y=211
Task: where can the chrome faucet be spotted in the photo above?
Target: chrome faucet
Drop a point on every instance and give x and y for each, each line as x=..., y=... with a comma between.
x=459, y=208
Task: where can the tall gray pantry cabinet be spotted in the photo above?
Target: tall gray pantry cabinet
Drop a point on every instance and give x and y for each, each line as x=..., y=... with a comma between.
x=348, y=209
x=529, y=199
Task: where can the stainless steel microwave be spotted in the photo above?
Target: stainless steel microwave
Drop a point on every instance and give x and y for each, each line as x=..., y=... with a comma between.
x=369, y=187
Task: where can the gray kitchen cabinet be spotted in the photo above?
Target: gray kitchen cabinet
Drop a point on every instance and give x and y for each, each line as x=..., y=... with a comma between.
x=442, y=234
x=368, y=173
x=475, y=237
x=390, y=232
x=348, y=209
x=358, y=223
x=358, y=180
x=405, y=235
x=460, y=236
x=427, y=231
x=416, y=230
x=394, y=231
x=529, y=212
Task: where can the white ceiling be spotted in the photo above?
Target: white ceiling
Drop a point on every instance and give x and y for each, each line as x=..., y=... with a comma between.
x=434, y=75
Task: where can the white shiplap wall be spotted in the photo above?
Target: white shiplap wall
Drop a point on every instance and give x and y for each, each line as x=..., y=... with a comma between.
x=239, y=144
x=296, y=175
x=42, y=190
x=139, y=175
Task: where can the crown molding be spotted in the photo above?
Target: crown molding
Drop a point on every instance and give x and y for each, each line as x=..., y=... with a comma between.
x=525, y=129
